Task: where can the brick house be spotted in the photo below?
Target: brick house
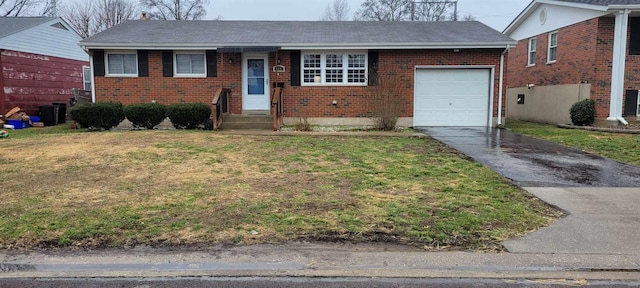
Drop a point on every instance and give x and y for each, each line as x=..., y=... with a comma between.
x=40, y=62
x=450, y=72
x=570, y=50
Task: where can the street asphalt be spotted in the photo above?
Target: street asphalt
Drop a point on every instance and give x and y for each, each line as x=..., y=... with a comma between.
x=596, y=244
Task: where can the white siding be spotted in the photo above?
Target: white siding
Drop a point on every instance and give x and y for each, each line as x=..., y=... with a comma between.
x=557, y=17
x=46, y=40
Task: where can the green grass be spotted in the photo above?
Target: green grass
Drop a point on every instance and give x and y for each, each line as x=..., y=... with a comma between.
x=622, y=147
x=116, y=189
x=38, y=131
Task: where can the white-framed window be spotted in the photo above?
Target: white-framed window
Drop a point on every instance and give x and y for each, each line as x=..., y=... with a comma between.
x=552, y=52
x=190, y=64
x=531, y=59
x=122, y=64
x=334, y=68
x=86, y=77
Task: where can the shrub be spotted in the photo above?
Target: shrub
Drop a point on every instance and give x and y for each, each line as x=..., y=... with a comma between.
x=386, y=100
x=102, y=115
x=188, y=115
x=146, y=115
x=583, y=112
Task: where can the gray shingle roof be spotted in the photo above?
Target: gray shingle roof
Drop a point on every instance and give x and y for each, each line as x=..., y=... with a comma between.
x=12, y=25
x=291, y=33
x=605, y=2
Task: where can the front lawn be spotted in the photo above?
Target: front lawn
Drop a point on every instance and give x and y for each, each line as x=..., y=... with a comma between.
x=622, y=147
x=121, y=189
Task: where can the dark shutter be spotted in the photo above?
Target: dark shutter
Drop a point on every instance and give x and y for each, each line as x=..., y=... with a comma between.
x=373, y=67
x=634, y=39
x=212, y=63
x=631, y=103
x=143, y=63
x=295, y=68
x=98, y=63
x=167, y=63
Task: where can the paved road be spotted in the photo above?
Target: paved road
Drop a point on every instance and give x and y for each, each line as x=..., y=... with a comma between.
x=532, y=162
x=300, y=282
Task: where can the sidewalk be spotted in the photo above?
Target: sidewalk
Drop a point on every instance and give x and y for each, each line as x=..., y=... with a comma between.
x=320, y=260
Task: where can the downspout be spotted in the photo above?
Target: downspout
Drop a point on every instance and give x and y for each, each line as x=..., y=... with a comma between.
x=2, y=95
x=501, y=85
x=618, y=67
x=624, y=60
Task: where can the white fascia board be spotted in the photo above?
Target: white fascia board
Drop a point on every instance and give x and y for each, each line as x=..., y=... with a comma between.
x=524, y=14
x=312, y=46
x=624, y=7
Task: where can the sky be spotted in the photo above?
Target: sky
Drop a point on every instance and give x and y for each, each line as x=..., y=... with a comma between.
x=494, y=13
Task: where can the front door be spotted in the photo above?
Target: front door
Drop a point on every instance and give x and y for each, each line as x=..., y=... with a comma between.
x=255, y=79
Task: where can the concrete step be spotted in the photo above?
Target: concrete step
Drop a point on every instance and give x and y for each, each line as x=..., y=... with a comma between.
x=245, y=122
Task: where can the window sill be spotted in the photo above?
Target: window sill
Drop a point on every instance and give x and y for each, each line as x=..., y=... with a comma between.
x=334, y=85
x=190, y=76
x=550, y=62
x=121, y=75
x=531, y=65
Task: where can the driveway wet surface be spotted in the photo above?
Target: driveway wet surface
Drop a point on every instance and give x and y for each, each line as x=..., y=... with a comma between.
x=531, y=162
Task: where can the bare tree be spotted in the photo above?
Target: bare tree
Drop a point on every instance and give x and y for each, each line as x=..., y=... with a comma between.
x=384, y=10
x=16, y=8
x=409, y=10
x=338, y=11
x=90, y=17
x=176, y=9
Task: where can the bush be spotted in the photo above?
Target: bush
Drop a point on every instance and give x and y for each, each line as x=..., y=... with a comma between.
x=102, y=115
x=188, y=115
x=146, y=115
x=583, y=113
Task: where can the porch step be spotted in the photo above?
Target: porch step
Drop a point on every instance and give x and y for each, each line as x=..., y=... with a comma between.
x=245, y=122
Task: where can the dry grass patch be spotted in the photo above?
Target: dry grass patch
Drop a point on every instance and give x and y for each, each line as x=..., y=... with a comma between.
x=119, y=189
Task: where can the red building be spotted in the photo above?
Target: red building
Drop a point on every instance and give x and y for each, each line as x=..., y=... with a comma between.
x=40, y=63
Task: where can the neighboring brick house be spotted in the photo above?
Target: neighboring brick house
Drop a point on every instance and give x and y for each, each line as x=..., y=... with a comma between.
x=40, y=62
x=449, y=72
x=574, y=49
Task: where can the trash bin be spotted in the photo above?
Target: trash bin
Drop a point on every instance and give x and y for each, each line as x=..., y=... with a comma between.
x=62, y=112
x=48, y=114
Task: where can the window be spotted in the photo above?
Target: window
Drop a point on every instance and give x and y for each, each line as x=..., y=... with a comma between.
x=553, y=47
x=334, y=68
x=634, y=37
x=532, y=52
x=190, y=64
x=122, y=64
x=86, y=78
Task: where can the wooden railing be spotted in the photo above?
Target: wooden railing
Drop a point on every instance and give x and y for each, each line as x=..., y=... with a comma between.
x=220, y=106
x=277, y=111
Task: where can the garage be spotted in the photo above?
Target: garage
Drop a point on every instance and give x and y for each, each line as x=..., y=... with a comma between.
x=452, y=97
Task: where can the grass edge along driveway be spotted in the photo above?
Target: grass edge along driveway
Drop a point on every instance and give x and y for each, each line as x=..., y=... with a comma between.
x=168, y=188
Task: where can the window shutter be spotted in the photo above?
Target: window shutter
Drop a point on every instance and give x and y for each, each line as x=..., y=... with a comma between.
x=295, y=68
x=167, y=63
x=143, y=63
x=634, y=39
x=98, y=63
x=212, y=63
x=373, y=67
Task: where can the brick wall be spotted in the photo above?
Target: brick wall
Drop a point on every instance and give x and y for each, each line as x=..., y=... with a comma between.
x=31, y=80
x=314, y=101
x=584, y=53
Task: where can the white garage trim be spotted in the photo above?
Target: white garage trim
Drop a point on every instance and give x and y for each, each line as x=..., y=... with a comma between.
x=491, y=84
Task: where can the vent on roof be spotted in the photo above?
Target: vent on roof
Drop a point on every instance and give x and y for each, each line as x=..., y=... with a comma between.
x=59, y=26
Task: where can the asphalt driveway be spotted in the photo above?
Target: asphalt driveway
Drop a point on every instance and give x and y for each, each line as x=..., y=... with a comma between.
x=601, y=217
x=531, y=162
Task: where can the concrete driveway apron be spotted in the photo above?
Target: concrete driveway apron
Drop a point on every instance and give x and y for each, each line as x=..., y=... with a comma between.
x=601, y=196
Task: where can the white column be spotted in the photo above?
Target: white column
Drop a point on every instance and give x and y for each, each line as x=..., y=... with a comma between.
x=618, y=68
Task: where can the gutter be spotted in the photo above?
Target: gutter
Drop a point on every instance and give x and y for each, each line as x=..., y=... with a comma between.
x=500, y=94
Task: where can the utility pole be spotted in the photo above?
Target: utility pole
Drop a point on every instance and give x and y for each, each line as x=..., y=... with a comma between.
x=454, y=2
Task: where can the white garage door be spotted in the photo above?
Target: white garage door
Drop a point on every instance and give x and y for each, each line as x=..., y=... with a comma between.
x=451, y=97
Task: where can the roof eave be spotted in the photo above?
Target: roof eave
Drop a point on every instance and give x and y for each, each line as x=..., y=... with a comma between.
x=536, y=3
x=299, y=46
x=623, y=7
